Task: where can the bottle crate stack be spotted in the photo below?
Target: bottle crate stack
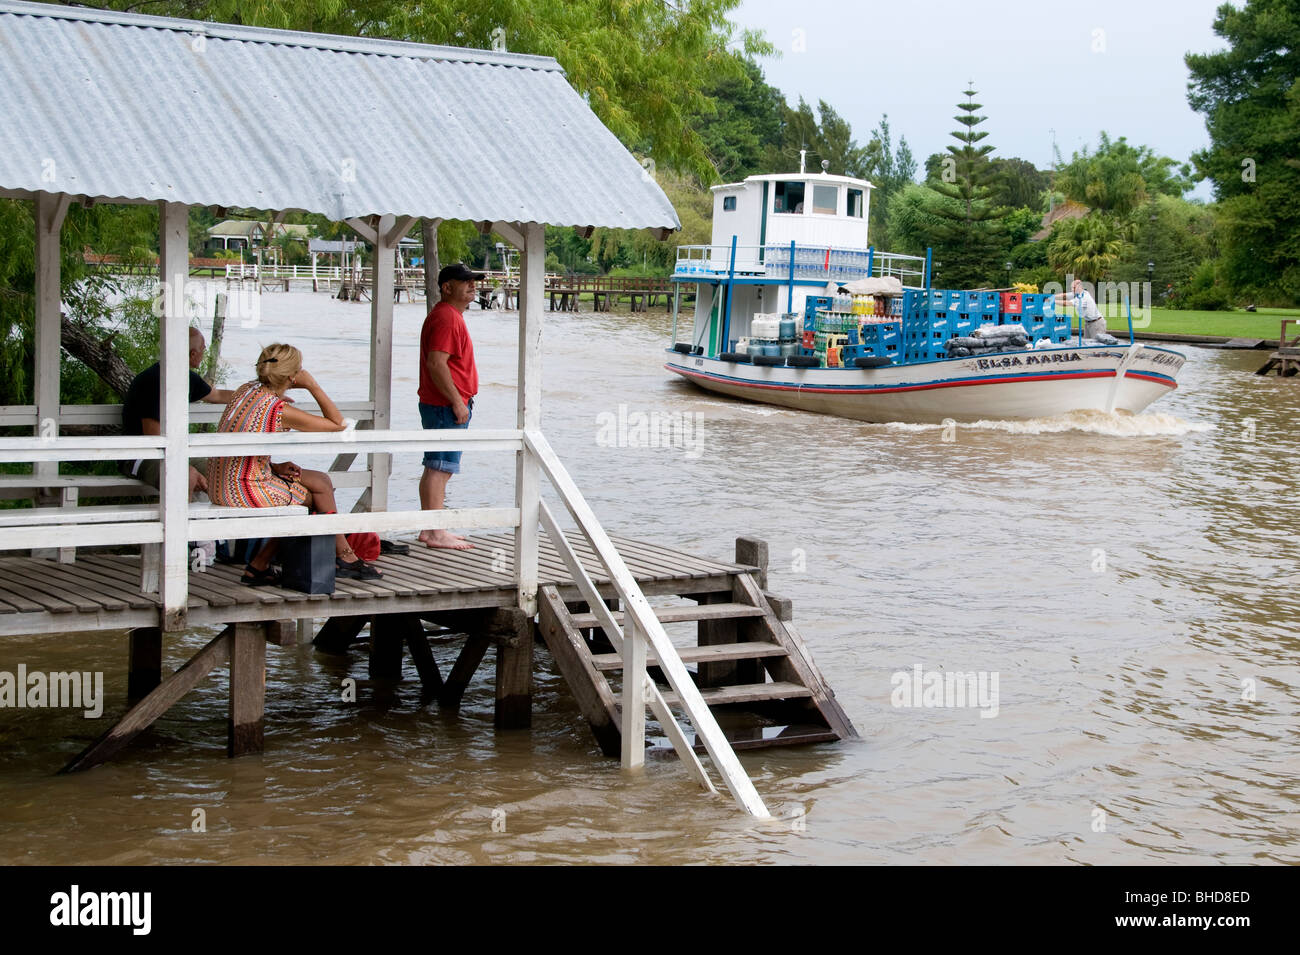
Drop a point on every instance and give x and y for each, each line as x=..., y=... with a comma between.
x=930, y=318
x=837, y=330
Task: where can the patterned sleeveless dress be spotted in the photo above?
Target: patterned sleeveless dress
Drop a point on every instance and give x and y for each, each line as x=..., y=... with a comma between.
x=250, y=482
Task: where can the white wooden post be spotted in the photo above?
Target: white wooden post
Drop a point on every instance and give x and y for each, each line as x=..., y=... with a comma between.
x=532, y=278
x=634, y=695
x=50, y=210
x=381, y=353
x=174, y=271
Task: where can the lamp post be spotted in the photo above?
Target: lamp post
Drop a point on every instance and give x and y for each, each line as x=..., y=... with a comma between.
x=1151, y=268
x=1008, y=274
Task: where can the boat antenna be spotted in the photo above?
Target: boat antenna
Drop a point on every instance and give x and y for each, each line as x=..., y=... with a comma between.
x=802, y=154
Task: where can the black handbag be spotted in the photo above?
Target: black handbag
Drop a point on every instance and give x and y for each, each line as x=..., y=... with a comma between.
x=307, y=564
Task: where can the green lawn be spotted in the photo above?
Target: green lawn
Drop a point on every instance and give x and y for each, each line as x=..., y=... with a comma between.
x=1264, y=323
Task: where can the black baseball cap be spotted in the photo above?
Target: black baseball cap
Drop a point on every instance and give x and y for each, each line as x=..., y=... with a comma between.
x=459, y=272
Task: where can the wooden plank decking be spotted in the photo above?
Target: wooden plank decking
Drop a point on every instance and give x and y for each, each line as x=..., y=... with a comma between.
x=102, y=592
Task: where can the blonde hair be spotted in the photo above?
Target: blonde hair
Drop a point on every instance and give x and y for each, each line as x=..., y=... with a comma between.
x=277, y=365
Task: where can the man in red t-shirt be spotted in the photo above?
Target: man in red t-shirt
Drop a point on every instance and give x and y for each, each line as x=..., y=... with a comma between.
x=448, y=383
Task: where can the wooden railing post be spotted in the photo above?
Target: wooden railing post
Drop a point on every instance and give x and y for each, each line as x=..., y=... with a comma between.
x=634, y=697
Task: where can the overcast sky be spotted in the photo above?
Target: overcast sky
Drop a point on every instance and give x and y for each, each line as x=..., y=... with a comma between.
x=1076, y=68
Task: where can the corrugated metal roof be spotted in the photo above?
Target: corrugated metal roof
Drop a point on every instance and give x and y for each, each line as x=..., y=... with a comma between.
x=121, y=106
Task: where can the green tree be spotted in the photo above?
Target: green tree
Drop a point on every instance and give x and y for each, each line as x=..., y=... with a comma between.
x=1174, y=236
x=1086, y=248
x=1017, y=183
x=1118, y=178
x=915, y=213
x=1250, y=97
x=89, y=295
x=826, y=136
x=967, y=238
x=742, y=123
x=643, y=65
x=890, y=171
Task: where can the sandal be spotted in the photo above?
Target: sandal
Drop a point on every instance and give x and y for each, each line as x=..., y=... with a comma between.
x=355, y=570
x=260, y=578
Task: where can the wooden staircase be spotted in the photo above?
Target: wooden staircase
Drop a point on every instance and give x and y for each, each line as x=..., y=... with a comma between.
x=751, y=667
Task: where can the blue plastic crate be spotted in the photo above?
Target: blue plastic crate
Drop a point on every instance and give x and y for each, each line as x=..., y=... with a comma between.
x=1049, y=306
x=1037, y=330
x=970, y=301
x=953, y=301
x=1031, y=305
x=990, y=303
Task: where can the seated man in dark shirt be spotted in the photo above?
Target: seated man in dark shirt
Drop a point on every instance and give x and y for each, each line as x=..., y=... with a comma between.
x=141, y=412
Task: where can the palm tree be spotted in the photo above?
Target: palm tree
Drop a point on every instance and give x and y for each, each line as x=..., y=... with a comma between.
x=1087, y=247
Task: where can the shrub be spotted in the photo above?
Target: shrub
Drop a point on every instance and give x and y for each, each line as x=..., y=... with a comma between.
x=1202, y=292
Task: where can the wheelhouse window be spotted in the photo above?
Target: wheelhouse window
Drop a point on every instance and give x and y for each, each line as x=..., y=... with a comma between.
x=855, y=203
x=789, y=197
x=728, y=203
x=825, y=200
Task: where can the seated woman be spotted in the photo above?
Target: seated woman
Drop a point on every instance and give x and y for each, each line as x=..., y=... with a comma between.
x=260, y=406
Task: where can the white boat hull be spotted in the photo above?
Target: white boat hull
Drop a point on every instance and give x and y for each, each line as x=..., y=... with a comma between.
x=1030, y=384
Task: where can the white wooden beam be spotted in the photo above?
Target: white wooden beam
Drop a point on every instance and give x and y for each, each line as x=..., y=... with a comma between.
x=511, y=232
x=381, y=352
x=174, y=270
x=399, y=230
x=49, y=213
x=50, y=210
x=528, y=410
x=632, y=729
x=364, y=229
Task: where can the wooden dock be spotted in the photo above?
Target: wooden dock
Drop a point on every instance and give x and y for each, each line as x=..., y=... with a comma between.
x=1286, y=360
x=748, y=656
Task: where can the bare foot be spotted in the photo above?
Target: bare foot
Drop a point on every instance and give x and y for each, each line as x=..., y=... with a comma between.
x=444, y=539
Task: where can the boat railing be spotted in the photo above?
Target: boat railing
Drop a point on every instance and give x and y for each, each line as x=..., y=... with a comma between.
x=793, y=261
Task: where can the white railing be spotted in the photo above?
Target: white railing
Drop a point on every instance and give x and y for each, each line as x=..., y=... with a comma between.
x=12, y=416
x=251, y=270
x=642, y=628
x=134, y=530
x=810, y=262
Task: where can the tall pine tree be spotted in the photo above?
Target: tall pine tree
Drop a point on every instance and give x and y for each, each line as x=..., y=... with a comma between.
x=967, y=238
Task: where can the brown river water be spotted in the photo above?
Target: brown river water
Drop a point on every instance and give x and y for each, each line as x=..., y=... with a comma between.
x=1128, y=586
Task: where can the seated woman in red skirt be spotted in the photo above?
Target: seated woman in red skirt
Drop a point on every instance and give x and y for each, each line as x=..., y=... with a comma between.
x=260, y=406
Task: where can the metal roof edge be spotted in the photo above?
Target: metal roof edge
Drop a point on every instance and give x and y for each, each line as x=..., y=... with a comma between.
x=320, y=41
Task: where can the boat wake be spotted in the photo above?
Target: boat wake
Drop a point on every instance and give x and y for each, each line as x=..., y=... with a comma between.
x=1112, y=424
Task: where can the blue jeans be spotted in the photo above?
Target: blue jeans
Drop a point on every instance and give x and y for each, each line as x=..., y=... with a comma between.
x=436, y=417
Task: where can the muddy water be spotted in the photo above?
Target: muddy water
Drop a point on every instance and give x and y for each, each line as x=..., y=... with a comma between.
x=1130, y=585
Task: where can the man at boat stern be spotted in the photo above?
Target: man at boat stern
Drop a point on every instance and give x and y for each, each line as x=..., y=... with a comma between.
x=1094, y=323
x=448, y=383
